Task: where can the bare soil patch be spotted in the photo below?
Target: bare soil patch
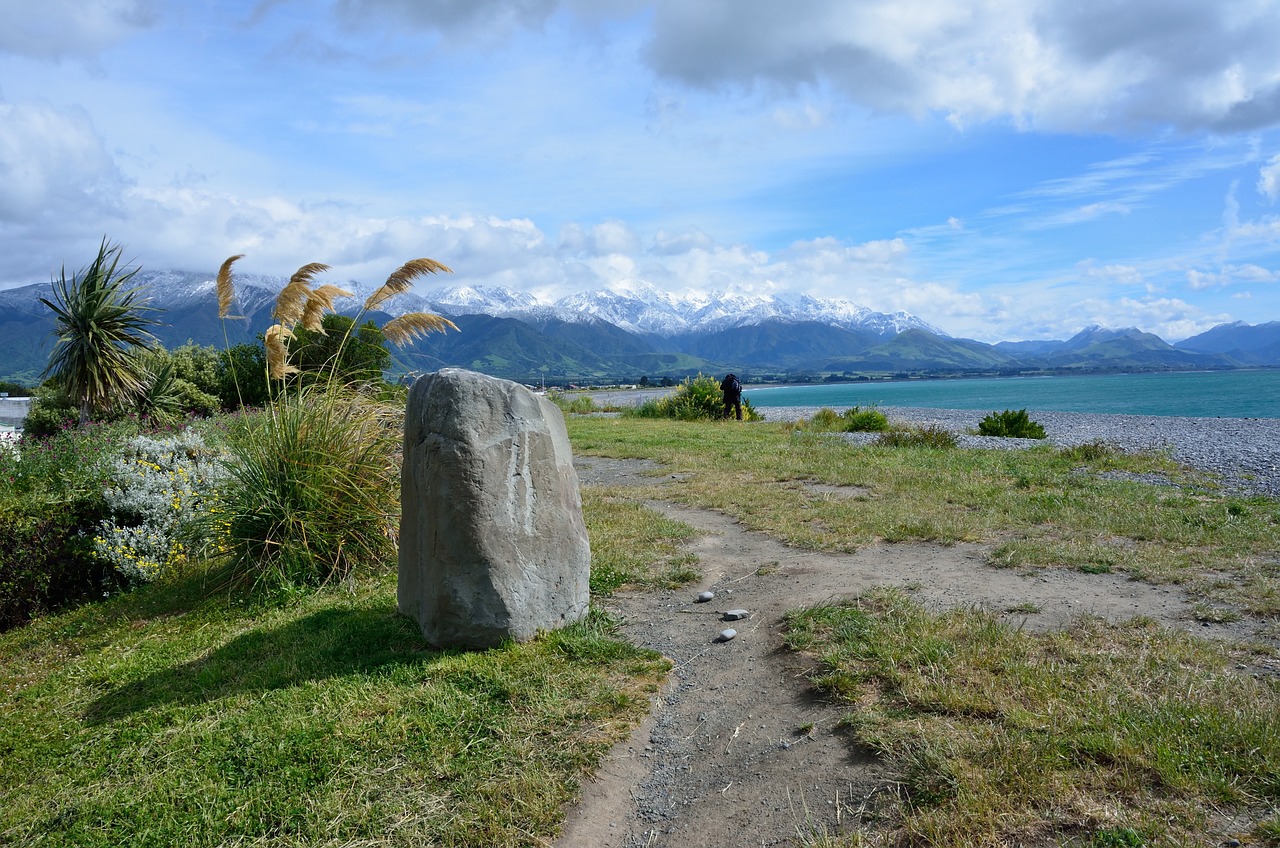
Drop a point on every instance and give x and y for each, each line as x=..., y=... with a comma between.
x=739, y=749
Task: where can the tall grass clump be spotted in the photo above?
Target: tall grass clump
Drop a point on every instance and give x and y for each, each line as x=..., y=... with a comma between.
x=931, y=436
x=696, y=399
x=313, y=488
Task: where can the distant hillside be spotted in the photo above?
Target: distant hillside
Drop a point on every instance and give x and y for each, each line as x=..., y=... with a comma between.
x=655, y=335
x=1258, y=344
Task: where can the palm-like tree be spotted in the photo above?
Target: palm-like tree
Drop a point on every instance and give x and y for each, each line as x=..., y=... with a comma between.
x=100, y=324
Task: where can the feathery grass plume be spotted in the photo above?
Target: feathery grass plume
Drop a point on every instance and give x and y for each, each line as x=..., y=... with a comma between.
x=328, y=294
x=277, y=354
x=225, y=289
x=400, y=331
x=292, y=300
x=320, y=301
x=313, y=315
x=401, y=280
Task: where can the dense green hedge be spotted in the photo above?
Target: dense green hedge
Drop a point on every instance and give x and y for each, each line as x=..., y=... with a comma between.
x=46, y=562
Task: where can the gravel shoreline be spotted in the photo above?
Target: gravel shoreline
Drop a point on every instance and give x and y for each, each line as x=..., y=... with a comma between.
x=1243, y=452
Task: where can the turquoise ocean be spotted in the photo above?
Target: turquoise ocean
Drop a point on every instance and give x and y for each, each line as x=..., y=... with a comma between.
x=1200, y=394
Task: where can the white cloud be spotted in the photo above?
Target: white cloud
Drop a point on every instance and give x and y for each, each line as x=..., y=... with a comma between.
x=1227, y=275
x=53, y=165
x=1121, y=274
x=1085, y=65
x=57, y=29
x=1269, y=179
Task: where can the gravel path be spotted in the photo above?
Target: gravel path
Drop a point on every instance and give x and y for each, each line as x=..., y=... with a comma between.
x=1243, y=452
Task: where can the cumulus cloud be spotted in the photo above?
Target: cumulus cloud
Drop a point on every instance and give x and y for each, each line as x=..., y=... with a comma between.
x=56, y=29
x=1089, y=64
x=53, y=165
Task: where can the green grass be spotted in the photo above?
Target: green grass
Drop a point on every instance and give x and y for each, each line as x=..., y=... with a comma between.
x=1037, y=508
x=632, y=546
x=168, y=717
x=1091, y=734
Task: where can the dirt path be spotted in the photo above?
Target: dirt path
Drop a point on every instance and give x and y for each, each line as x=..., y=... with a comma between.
x=739, y=750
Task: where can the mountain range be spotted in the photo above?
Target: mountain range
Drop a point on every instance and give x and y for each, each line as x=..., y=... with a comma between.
x=626, y=333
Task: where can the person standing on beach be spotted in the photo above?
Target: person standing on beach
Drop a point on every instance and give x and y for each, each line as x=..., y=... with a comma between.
x=732, y=389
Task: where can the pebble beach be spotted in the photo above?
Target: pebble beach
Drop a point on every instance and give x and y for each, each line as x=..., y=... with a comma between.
x=1243, y=452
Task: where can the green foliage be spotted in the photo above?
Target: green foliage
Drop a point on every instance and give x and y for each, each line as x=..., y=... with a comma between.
x=313, y=491
x=696, y=399
x=1010, y=424
x=51, y=495
x=859, y=420
x=852, y=420
x=824, y=420
x=157, y=494
x=50, y=412
x=172, y=385
x=14, y=389
x=100, y=323
x=918, y=437
x=242, y=377
x=46, y=562
x=340, y=351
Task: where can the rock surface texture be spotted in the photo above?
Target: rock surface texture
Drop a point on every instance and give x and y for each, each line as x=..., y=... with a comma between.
x=492, y=541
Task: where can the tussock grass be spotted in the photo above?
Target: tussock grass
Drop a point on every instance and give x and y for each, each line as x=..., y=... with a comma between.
x=315, y=489
x=1002, y=737
x=171, y=717
x=1039, y=508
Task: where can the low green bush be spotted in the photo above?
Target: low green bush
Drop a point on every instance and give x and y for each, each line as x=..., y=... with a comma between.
x=46, y=561
x=1011, y=425
x=51, y=498
x=859, y=420
x=158, y=490
x=825, y=419
x=696, y=399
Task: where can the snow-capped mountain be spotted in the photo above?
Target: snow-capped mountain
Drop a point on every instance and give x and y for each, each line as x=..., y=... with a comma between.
x=638, y=308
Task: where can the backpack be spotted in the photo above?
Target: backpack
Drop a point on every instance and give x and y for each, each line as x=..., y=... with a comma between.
x=732, y=386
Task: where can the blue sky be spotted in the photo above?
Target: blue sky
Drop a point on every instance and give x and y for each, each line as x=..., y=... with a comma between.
x=1005, y=169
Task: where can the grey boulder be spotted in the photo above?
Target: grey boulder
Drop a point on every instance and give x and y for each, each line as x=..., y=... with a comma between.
x=492, y=541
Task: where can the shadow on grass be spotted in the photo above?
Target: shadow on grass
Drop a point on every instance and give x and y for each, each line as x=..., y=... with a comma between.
x=326, y=644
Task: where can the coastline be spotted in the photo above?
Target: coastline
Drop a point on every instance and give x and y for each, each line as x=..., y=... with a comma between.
x=1243, y=452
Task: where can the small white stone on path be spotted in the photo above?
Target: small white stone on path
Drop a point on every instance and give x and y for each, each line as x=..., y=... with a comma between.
x=703, y=597
x=736, y=614
x=726, y=634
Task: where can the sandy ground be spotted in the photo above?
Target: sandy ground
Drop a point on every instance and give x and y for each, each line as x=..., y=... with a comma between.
x=739, y=750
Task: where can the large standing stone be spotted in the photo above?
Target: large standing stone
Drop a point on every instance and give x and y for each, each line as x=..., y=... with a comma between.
x=492, y=542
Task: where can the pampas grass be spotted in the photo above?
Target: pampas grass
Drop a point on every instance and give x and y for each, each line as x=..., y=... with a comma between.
x=313, y=491
x=226, y=291
x=400, y=331
x=401, y=280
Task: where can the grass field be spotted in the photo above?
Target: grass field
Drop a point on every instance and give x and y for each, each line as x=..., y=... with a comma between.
x=181, y=715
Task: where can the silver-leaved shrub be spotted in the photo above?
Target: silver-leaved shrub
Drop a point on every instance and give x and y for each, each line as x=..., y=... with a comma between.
x=159, y=487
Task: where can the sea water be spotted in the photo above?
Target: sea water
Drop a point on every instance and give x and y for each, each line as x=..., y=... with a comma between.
x=1200, y=394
